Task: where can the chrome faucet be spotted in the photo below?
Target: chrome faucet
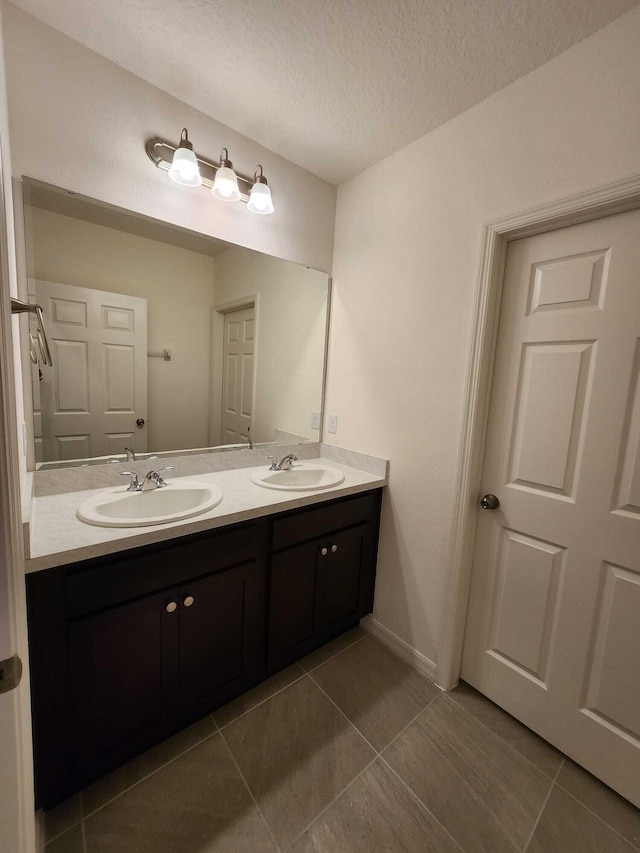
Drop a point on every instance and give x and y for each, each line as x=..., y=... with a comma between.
x=131, y=456
x=284, y=464
x=248, y=439
x=152, y=480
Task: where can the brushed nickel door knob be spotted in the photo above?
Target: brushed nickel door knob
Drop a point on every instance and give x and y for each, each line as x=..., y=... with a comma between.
x=489, y=502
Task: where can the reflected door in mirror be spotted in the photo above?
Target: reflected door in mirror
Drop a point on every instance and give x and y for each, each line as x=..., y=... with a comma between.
x=97, y=388
x=238, y=370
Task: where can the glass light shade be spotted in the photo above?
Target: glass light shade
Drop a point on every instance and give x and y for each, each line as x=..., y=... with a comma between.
x=184, y=168
x=225, y=185
x=260, y=199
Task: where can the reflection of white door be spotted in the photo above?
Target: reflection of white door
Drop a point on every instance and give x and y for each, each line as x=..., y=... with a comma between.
x=238, y=356
x=97, y=387
x=553, y=626
x=35, y=374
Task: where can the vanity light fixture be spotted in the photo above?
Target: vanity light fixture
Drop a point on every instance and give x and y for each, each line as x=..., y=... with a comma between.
x=260, y=195
x=184, y=166
x=225, y=185
x=189, y=169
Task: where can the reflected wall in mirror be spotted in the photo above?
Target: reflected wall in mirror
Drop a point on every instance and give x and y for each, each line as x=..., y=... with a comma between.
x=165, y=340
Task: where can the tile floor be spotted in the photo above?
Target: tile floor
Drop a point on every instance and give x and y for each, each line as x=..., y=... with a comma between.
x=349, y=751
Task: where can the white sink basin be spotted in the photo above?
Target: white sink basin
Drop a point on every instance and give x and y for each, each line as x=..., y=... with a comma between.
x=302, y=477
x=119, y=508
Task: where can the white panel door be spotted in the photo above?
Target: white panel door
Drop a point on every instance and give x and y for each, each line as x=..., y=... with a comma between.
x=97, y=388
x=238, y=368
x=553, y=625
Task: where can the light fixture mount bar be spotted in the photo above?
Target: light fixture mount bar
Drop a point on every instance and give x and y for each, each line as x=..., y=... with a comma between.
x=161, y=152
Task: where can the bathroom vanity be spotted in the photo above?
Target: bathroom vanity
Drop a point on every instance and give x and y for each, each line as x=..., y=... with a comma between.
x=128, y=647
x=144, y=615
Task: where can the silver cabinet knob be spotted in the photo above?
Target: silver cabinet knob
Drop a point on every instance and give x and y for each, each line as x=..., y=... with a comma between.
x=171, y=606
x=188, y=600
x=324, y=551
x=334, y=548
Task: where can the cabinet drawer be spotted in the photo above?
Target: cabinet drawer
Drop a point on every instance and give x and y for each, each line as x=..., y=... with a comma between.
x=100, y=583
x=313, y=523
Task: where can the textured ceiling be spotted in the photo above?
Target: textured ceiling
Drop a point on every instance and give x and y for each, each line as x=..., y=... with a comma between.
x=333, y=85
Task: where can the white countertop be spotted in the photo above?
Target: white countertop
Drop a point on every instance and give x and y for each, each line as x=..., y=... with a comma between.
x=57, y=536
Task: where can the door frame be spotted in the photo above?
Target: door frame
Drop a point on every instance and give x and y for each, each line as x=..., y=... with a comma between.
x=15, y=705
x=252, y=300
x=607, y=200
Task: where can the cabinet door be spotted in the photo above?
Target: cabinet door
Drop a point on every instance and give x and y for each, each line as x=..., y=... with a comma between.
x=222, y=623
x=319, y=590
x=118, y=665
x=343, y=580
x=292, y=612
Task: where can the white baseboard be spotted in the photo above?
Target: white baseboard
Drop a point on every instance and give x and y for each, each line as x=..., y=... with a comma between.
x=400, y=648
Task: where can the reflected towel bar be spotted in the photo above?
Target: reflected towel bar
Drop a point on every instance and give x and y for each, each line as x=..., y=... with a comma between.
x=165, y=354
x=18, y=307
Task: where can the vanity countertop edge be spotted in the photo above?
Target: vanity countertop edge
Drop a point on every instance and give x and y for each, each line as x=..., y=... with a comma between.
x=57, y=537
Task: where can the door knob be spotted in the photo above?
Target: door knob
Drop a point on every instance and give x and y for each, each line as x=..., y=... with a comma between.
x=140, y=422
x=489, y=502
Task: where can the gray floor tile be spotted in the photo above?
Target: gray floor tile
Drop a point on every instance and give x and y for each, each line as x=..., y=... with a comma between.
x=336, y=646
x=223, y=716
x=62, y=817
x=526, y=742
x=114, y=783
x=69, y=842
x=376, y=813
x=612, y=808
x=379, y=693
x=297, y=753
x=484, y=793
x=196, y=803
x=567, y=827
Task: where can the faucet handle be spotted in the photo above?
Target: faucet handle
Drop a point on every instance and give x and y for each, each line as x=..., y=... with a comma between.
x=160, y=479
x=134, y=485
x=275, y=465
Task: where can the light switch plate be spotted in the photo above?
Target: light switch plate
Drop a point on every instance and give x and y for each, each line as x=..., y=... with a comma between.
x=332, y=423
x=315, y=420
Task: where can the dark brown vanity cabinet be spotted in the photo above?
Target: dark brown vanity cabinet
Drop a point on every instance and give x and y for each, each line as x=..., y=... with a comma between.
x=322, y=575
x=144, y=667
x=127, y=649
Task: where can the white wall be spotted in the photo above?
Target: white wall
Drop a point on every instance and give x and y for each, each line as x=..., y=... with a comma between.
x=290, y=333
x=80, y=122
x=179, y=288
x=407, y=252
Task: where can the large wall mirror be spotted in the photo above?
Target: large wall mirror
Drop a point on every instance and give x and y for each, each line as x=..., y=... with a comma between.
x=163, y=339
